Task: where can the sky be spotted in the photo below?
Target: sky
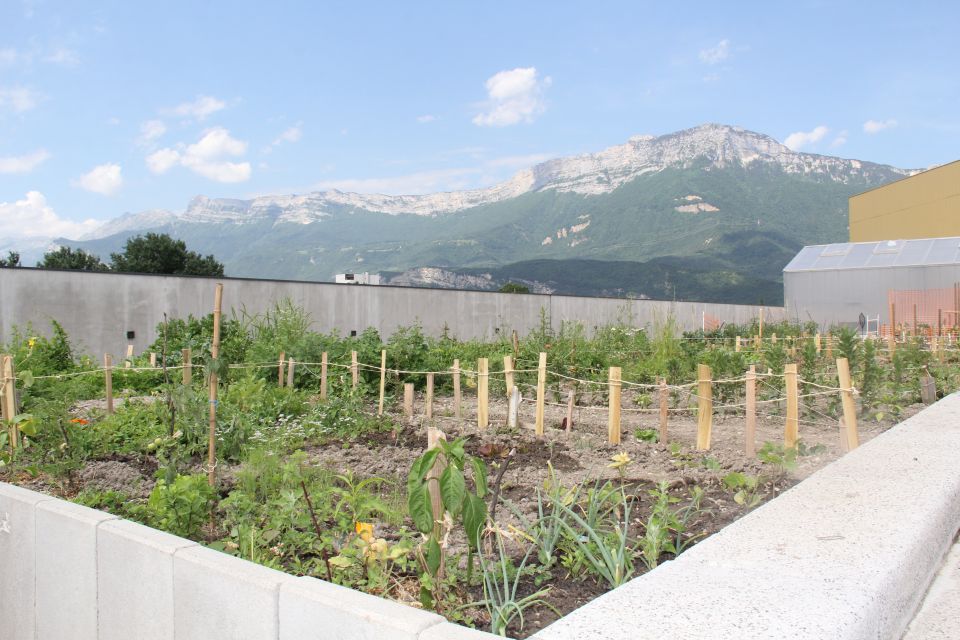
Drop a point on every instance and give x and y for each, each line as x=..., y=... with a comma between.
x=115, y=107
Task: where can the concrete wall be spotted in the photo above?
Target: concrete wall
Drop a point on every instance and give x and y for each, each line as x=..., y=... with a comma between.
x=846, y=554
x=97, y=309
x=839, y=296
x=67, y=571
x=926, y=205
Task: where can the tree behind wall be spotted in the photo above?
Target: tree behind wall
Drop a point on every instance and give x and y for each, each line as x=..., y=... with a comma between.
x=159, y=253
x=68, y=258
x=12, y=260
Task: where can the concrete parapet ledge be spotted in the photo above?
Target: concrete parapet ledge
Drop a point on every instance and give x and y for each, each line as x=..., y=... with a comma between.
x=847, y=553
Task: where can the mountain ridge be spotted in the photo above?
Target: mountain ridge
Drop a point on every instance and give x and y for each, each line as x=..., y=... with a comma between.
x=586, y=174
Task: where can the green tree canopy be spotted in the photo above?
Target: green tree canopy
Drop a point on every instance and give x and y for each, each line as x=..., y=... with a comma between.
x=159, y=253
x=513, y=287
x=12, y=260
x=68, y=258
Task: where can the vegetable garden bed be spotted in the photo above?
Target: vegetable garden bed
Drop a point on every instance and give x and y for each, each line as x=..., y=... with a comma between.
x=535, y=526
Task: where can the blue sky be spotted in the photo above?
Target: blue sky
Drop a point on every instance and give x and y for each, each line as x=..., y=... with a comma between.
x=126, y=106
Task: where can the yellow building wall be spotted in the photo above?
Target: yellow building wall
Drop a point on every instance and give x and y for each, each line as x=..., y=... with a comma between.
x=926, y=205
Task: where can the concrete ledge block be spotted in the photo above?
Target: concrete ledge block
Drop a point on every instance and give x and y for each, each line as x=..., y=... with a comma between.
x=17, y=558
x=66, y=565
x=319, y=610
x=219, y=597
x=450, y=631
x=135, y=580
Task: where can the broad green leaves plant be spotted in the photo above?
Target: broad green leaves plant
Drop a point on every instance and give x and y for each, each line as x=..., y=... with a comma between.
x=464, y=506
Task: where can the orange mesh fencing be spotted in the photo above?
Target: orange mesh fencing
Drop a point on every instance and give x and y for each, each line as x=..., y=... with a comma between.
x=711, y=323
x=925, y=311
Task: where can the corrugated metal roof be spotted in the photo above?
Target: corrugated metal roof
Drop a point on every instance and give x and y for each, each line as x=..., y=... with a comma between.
x=885, y=253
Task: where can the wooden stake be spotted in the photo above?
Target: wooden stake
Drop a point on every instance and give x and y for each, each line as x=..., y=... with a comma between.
x=773, y=338
x=791, y=433
x=280, y=369
x=816, y=343
x=928, y=388
x=844, y=441
x=570, y=400
x=508, y=373
x=408, y=400
x=129, y=360
x=429, y=398
x=613, y=393
x=354, y=370
x=483, y=390
x=891, y=343
x=153, y=359
x=323, y=376
x=456, y=388
x=8, y=400
x=214, y=354
x=750, y=414
x=541, y=392
x=383, y=379
x=513, y=408
x=704, y=407
x=291, y=363
x=187, y=367
x=664, y=410
x=846, y=399
x=829, y=348
x=761, y=323
x=737, y=345
x=108, y=380
x=433, y=480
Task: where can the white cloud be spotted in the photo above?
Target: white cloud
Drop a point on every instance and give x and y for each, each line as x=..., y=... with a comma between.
x=199, y=109
x=33, y=217
x=62, y=56
x=291, y=135
x=163, y=160
x=800, y=139
x=840, y=140
x=427, y=117
x=513, y=96
x=876, y=126
x=717, y=54
x=18, y=99
x=23, y=164
x=150, y=131
x=206, y=157
x=104, y=179
x=9, y=56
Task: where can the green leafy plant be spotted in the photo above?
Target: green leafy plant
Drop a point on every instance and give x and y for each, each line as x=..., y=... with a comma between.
x=500, y=593
x=607, y=553
x=745, y=488
x=182, y=506
x=463, y=505
x=546, y=531
x=782, y=459
x=646, y=435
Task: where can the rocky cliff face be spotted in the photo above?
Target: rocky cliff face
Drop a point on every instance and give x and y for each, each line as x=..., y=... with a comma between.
x=708, y=146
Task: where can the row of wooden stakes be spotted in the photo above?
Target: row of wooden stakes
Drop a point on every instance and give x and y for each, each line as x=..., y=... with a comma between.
x=848, y=435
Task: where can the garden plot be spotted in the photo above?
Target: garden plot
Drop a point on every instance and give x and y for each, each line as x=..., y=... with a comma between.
x=319, y=470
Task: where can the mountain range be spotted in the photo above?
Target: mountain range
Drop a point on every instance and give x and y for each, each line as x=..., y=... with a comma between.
x=711, y=213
